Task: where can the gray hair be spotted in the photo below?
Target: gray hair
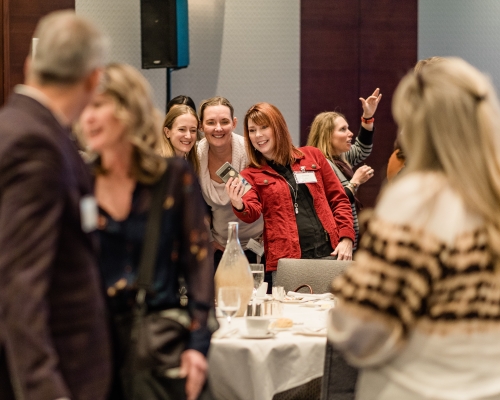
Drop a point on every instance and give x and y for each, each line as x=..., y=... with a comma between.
x=69, y=48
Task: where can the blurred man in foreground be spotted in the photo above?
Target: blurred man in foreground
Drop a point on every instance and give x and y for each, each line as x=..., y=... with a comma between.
x=54, y=341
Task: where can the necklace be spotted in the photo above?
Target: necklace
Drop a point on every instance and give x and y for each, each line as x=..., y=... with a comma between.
x=295, y=193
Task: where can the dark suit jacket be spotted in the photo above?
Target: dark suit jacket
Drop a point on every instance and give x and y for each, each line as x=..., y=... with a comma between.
x=52, y=312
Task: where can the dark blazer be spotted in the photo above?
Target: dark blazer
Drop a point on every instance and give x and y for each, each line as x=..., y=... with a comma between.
x=52, y=313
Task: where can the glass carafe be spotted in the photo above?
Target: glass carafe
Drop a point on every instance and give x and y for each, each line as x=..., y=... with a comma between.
x=234, y=269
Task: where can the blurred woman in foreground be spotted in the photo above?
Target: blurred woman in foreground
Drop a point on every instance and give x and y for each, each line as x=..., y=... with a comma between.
x=420, y=310
x=306, y=211
x=119, y=125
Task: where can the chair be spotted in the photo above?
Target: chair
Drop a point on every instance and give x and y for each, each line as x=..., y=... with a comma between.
x=318, y=274
x=339, y=378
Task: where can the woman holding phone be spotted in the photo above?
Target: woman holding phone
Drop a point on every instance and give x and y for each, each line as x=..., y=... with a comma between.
x=306, y=211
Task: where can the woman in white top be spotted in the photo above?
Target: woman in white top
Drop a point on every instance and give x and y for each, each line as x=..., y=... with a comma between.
x=419, y=312
x=222, y=145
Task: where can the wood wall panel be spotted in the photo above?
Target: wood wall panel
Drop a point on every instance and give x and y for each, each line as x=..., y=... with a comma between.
x=348, y=48
x=19, y=21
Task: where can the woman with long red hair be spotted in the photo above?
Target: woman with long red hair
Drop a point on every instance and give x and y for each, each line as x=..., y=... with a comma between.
x=306, y=211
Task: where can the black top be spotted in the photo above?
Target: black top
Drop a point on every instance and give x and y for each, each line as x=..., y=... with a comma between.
x=313, y=239
x=183, y=248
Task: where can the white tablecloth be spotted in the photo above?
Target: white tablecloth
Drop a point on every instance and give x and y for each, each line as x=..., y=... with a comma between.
x=246, y=369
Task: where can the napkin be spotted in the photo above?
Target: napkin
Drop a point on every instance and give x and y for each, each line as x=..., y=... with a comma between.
x=308, y=296
x=224, y=333
x=321, y=332
x=262, y=290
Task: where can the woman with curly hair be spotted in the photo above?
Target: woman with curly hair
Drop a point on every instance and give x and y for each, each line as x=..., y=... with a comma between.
x=120, y=126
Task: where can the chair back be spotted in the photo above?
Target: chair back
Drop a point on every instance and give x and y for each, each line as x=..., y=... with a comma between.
x=318, y=274
x=339, y=378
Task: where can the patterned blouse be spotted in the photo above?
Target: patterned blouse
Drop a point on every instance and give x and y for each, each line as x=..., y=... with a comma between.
x=183, y=251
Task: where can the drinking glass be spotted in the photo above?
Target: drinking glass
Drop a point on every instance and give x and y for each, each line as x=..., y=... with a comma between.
x=258, y=276
x=229, y=301
x=278, y=293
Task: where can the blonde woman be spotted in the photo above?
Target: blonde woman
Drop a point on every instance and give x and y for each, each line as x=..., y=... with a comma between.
x=119, y=125
x=180, y=130
x=330, y=133
x=419, y=313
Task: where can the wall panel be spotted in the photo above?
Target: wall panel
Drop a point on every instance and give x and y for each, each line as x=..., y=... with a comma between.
x=18, y=23
x=348, y=48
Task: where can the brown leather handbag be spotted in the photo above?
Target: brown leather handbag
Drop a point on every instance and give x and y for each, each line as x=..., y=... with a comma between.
x=154, y=341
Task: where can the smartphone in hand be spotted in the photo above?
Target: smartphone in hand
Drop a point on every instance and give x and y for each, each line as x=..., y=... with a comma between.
x=228, y=171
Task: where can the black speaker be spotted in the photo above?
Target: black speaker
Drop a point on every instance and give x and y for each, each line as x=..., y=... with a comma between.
x=164, y=33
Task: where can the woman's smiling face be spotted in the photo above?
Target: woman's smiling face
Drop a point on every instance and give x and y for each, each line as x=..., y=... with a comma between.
x=262, y=138
x=100, y=126
x=183, y=134
x=218, y=125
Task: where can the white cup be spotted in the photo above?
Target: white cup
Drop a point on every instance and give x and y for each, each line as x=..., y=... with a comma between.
x=278, y=293
x=257, y=326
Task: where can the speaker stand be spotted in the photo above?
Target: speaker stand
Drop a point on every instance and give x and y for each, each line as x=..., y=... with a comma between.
x=169, y=86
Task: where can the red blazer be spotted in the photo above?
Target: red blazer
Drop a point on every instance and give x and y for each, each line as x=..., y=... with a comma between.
x=52, y=313
x=270, y=195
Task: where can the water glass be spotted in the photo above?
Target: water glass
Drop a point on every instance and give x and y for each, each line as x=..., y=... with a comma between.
x=273, y=308
x=258, y=276
x=229, y=301
x=278, y=293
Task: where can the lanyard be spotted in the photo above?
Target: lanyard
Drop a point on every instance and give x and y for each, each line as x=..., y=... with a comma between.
x=295, y=193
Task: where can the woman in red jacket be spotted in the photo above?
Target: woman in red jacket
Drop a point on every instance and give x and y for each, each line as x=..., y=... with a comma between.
x=306, y=211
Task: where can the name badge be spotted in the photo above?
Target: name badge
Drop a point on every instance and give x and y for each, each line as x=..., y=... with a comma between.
x=305, y=177
x=88, y=213
x=256, y=247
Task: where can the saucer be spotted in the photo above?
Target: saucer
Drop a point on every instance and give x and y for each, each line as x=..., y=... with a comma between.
x=267, y=335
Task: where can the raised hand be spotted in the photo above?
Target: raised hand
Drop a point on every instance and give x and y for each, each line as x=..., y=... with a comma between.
x=371, y=103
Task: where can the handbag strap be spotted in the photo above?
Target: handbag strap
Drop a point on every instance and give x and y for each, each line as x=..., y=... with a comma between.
x=149, y=250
